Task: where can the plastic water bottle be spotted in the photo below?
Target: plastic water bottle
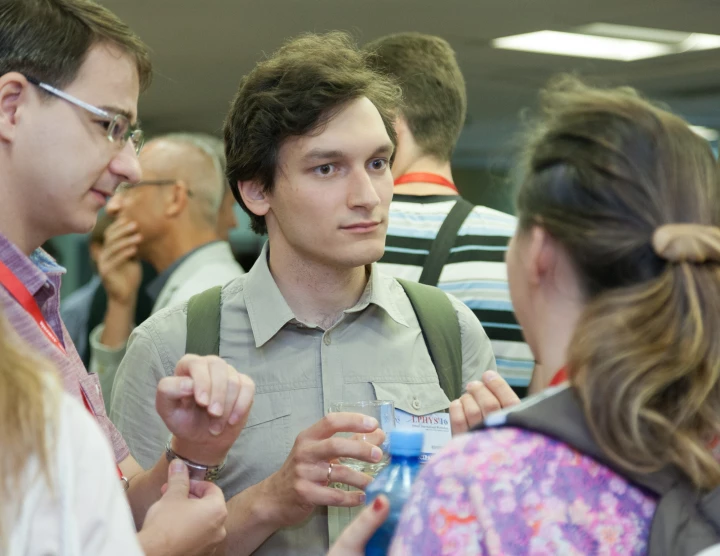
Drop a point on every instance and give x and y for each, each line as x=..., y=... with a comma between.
x=395, y=482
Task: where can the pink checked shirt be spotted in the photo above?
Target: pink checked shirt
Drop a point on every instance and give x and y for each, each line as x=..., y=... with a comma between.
x=42, y=276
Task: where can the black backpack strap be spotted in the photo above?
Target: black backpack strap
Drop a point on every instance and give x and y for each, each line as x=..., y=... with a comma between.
x=441, y=331
x=444, y=241
x=203, y=323
x=685, y=521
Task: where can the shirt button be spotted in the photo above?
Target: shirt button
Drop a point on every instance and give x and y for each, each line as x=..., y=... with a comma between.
x=416, y=403
x=327, y=339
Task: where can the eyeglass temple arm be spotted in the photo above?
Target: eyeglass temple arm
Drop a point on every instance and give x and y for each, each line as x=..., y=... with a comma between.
x=69, y=98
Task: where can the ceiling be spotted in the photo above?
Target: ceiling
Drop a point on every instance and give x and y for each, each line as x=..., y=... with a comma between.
x=202, y=48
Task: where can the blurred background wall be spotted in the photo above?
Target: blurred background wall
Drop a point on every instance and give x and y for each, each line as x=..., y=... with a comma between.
x=201, y=49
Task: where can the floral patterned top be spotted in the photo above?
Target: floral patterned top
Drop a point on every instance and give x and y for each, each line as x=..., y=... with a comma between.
x=511, y=491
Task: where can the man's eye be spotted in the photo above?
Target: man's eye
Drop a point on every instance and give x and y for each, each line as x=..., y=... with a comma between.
x=325, y=169
x=379, y=164
x=105, y=124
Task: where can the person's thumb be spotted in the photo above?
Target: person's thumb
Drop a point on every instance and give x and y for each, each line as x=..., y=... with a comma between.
x=178, y=484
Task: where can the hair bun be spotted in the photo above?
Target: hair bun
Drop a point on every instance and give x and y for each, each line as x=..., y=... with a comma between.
x=691, y=243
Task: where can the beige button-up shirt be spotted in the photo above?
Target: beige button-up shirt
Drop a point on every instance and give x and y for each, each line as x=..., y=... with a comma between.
x=375, y=351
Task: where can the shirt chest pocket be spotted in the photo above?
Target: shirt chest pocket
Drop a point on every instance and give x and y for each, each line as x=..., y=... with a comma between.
x=414, y=398
x=263, y=445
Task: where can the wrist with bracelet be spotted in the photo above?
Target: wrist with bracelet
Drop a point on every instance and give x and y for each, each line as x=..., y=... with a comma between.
x=198, y=471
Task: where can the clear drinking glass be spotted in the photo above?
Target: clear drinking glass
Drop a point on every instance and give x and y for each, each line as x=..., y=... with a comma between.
x=384, y=412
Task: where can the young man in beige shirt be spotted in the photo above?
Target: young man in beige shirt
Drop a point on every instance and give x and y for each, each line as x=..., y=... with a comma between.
x=309, y=142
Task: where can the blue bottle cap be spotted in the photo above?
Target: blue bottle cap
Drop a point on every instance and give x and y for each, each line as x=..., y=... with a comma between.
x=406, y=442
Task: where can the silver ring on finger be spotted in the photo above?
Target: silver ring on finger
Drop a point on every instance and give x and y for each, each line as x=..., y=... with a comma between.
x=330, y=468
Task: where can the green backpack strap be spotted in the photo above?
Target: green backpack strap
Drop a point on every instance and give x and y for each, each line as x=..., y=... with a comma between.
x=441, y=330
x=435, y=313
x=203, y=323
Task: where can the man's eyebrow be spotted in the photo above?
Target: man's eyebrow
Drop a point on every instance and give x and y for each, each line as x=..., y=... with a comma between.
x=116, y=110
x=324, y=154
x=387, y=148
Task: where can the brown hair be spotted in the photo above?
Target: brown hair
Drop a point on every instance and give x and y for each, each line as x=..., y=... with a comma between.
x=29, y=407
x=295, y=92
x=49, y=39
x=605, y=174
x=434, y=97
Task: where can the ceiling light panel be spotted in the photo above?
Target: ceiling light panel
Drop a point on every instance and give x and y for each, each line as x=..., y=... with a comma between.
x=610, y=42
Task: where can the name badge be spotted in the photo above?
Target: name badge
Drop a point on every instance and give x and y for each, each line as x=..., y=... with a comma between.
x=436, y=427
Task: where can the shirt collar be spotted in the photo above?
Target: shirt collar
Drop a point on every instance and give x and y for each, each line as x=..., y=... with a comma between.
x=379, y=291
x=269, y=312
x=267, y=309
x=156, y=285
x=33, y=271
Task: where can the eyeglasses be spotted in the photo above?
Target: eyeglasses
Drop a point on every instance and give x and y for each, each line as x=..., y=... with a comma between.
x=119, y=129
x=126, y=186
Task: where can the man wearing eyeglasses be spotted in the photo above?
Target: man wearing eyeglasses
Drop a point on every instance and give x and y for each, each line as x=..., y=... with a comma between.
x=70, y=76
x=170, y=220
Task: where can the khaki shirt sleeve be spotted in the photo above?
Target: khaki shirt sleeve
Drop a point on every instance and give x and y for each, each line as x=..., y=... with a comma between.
x=477, y=351
x=133, y=396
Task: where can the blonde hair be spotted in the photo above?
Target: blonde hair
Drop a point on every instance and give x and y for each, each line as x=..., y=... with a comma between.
x=29, y=407
x=633, y=196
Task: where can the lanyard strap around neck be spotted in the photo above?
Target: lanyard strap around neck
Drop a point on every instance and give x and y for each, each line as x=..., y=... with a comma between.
x=26, y=300
x=425, y=177
x=22, y=295
x=560, y=377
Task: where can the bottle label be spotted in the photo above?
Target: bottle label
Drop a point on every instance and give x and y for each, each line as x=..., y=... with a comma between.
x=435, y=426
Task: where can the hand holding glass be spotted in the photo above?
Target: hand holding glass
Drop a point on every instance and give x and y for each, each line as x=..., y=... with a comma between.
x=384, y=412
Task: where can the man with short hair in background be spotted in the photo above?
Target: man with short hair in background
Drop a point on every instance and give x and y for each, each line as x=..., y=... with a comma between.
x=170, y=220
x=428, y=127
x=226, y=221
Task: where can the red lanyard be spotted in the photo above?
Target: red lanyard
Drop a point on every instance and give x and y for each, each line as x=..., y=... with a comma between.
x=26, y=300
x=18, y=290
x=560, y=377
x=425, y=177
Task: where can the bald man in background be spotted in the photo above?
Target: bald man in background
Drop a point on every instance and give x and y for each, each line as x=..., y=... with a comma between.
x=171, y=219
x=226, y=220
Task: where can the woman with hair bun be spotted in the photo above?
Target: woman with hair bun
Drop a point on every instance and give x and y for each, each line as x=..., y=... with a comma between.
x=614, y=274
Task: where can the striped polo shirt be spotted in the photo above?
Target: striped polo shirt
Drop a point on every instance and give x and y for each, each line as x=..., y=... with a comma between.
x=475, y=272
x=41, y=275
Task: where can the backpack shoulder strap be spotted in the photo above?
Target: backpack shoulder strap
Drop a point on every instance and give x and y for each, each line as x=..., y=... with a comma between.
x=444, y=241
x=685, y=520
x=203, y=323
x=441, y=331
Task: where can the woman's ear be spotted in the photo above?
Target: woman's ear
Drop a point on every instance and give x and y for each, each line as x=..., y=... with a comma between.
x=541, y=255
x=550, y=265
